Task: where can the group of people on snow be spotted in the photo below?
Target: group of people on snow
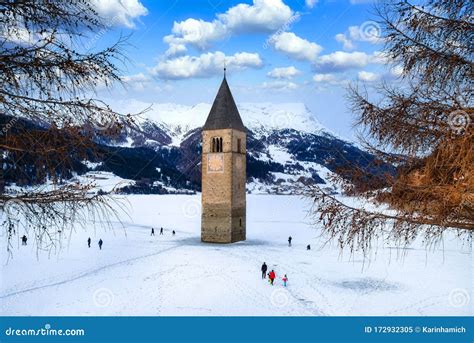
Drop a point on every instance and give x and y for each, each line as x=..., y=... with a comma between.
x=272, y=275
x=290, y=239
x=101, y=242
x=161, y=231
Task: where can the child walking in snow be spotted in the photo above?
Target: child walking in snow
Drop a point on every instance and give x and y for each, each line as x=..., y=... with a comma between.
x=285, y=280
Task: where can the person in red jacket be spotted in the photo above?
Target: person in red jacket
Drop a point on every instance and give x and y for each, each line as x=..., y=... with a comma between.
x=271, y=276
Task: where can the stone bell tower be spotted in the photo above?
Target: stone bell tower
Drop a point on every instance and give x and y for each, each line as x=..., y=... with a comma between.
x=223, y=171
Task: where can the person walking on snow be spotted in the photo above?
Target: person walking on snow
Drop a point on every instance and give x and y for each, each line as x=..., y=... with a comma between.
x=264, y=270
x=23, y=240
x=285, y=280
x=308, y=247
x=100, y=243
x=152, y=231
x=161, y=231
x=272, y=276
x=174, y=233
x=89, y=242
x=289, y=241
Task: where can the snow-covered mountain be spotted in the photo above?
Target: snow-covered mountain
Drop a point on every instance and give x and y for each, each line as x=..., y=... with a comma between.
x=261, y=118
x=160, y=152
x=286, y=143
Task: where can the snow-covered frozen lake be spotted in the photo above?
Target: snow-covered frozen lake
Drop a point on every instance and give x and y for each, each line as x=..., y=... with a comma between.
x=139, y=274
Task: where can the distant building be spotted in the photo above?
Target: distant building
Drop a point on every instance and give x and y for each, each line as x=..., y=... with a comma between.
x=223, y=171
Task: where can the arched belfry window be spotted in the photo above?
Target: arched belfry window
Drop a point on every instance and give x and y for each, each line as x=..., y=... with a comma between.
x=216, y=144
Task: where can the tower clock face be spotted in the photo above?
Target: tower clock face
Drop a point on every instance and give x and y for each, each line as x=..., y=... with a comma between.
x=215, y=163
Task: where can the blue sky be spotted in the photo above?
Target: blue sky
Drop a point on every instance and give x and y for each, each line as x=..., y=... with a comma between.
x=275, y=51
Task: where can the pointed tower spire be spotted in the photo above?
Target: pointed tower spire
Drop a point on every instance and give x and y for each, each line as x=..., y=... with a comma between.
x=224, y=113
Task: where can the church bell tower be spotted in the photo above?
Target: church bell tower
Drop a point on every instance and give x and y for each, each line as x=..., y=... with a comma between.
x=223, y=171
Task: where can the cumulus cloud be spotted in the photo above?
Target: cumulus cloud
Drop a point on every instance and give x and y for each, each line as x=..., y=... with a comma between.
x=341, y=60
x=284, y=73
x=120, y=12
x=295, y=47
x=261, y=16
x=199, y=33
x=324, y=78
x=205, y=65
x=347, y=43
x=368, y=31
x=367, y=76
x=138, y=81
x=279, y=85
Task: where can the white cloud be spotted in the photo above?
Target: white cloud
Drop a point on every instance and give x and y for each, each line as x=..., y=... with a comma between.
x=140, y=77
x=324, y=78
x=340, y=60
x=368, y=31
x=176, y=49
x=347, y=44
x=311, y=3
x=280, y=85
x=199, y=33
x=295, y=47
x=367, y=76
x=120, y=12
x=261, y=16
x=396, y=71
x=329, y=78
x=138, y=81
x=205, y=65
x=284, y=73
